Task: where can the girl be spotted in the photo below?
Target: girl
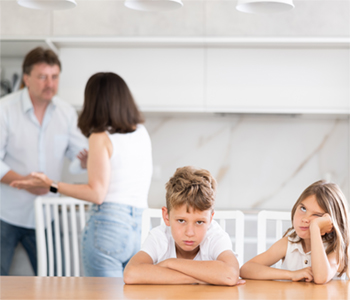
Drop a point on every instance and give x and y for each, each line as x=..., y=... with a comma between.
x=319, y=234
x=119, y=175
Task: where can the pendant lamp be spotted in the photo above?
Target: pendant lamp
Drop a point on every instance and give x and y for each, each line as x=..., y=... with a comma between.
x=48, y=4
x=153, y=5
x=264, y=6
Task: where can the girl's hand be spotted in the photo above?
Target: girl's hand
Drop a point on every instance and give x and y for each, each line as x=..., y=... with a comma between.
x=36, y=180
x=303, y=275
x=324, y=223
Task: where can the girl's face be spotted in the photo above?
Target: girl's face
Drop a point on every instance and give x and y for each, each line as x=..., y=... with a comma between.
x=307, y=211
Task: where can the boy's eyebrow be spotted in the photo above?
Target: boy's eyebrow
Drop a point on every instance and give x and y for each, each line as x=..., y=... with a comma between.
x=314, y=212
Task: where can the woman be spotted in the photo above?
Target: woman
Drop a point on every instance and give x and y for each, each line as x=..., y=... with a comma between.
x=119, y=175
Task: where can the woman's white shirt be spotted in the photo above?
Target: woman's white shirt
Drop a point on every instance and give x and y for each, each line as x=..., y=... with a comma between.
x=131, y=168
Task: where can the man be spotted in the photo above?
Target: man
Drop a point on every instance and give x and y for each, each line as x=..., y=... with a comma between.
x=37, y=129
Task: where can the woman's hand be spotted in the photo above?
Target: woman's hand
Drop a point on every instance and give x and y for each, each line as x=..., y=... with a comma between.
x=324, y=223
x=36, y=180
x=302, y=275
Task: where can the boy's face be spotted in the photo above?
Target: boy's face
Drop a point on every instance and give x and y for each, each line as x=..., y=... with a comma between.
x=187, y=228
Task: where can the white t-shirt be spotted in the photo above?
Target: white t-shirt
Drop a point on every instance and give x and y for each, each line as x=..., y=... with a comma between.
x=297, y=259
x=160, y=244
x=131, y=168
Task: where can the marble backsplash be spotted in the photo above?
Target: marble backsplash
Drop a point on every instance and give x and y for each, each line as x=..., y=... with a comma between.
x=259, y=161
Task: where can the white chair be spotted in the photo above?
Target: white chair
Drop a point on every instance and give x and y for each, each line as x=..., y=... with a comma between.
x=220, y=216
x=147, y=216
x=278, y=217
x=48, y=209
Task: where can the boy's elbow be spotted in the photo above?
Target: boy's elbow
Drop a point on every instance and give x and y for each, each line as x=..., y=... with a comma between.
x=128, y=276
x=231, y=279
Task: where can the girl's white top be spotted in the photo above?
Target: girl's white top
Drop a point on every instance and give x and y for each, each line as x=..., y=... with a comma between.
x=297, y=259
x=131, y=168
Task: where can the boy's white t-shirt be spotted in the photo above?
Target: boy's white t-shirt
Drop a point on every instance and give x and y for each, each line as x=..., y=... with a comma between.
x=160, y=244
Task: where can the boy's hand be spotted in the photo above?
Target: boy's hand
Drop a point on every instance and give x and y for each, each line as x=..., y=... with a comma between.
x=303, y=275
x=165, y=263
x=324, y=223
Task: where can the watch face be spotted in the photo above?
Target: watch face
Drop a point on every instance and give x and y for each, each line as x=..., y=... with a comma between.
x=53, y=189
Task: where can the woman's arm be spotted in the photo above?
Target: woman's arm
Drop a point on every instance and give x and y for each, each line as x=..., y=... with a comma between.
x=259, y=266
x=141, y=270
x=223, y=271
x=100, y=151
x=326, y=266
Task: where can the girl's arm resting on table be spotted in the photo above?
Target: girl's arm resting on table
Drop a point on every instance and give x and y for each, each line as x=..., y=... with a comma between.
x=259, y=266
x=223, y=271
x=326, y=267
x=141, y=270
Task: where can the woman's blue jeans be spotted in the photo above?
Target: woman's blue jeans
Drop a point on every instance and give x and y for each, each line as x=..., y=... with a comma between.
x=110, y=238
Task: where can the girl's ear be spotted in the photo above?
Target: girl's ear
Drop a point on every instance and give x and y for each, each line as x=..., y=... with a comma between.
x=165, y=215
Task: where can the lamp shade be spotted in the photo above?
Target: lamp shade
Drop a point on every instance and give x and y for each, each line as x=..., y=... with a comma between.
x=153, y=5
x=48, y=4
x=264, y=6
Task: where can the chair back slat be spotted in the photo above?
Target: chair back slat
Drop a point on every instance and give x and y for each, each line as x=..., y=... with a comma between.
x=40, y=237
x=57, y=240
x=82, y=215
x=49, y=239
x=66, y=245
x=74, y=240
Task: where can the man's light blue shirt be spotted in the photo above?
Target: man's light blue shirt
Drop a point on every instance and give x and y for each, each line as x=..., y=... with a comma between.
x=26, y=146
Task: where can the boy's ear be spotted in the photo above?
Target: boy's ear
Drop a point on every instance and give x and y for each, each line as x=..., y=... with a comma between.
x=165, y=215
x=212, y=215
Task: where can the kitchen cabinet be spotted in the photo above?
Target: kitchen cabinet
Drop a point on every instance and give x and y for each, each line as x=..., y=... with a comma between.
x=204, y=74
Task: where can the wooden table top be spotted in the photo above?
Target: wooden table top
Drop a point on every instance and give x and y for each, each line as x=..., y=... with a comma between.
x=13, y=287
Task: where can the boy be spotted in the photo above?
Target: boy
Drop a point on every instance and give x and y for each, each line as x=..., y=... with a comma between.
x=190, y=247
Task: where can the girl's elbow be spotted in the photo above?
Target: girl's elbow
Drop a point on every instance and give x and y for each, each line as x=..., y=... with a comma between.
x=321, y=280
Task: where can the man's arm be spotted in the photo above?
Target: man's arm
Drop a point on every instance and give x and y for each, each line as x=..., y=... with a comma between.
x=141, y=270
x=12, y=176
x=223, y=271
x=77, y=146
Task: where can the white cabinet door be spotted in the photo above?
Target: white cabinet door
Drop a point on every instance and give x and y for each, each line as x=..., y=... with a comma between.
x=159, y=78
x=278, y=80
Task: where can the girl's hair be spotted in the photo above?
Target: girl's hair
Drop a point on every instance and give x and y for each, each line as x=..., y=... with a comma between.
x=194, y=187
x=331, y=199
x=108, y=106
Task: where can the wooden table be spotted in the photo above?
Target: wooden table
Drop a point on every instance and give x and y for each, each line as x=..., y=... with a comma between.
x=113, y=288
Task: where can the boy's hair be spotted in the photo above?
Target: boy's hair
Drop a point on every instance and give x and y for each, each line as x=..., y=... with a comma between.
x=332, y=200
x=194, y=187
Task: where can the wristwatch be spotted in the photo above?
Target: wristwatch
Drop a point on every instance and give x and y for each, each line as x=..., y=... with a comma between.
x=54, y=187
